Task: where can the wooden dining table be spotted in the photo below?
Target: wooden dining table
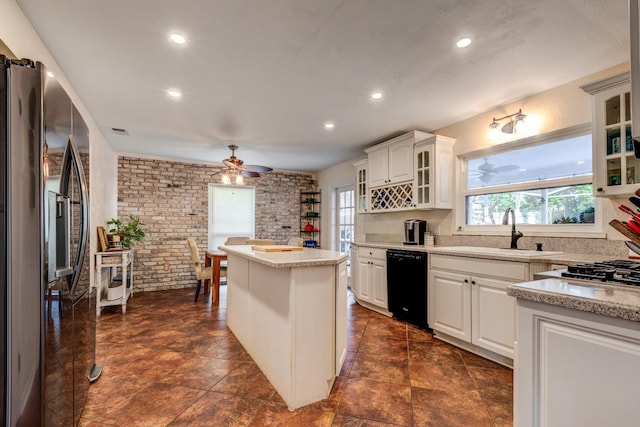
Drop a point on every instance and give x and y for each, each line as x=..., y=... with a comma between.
x=213, y=258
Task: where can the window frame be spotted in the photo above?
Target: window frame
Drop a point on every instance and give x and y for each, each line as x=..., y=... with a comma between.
x=555, y=230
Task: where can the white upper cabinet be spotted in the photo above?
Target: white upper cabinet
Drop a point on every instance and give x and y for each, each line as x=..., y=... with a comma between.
x=401, y=174
x=362, y=195
x=392, y=161
x=433, y=186
x=616, y=172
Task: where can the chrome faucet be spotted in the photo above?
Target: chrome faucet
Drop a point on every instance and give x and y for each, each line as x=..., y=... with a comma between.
x=515, y=235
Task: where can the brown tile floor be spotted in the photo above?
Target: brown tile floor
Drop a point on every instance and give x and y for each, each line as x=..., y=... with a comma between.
x=172, y=362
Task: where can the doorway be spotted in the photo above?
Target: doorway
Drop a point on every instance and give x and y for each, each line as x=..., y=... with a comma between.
x=231, y=213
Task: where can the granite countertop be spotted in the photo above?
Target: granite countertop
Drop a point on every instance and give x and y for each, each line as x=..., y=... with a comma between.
x=307, y=257
x=622, y=302
x=549, y=257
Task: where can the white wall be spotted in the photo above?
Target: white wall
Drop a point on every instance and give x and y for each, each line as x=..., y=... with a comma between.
x=19, y=36
x=329, y=180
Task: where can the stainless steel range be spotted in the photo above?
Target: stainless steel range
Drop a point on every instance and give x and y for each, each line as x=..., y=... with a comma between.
x=615, y=272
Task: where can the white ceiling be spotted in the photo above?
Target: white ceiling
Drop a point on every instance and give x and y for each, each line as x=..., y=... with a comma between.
x=267, y=74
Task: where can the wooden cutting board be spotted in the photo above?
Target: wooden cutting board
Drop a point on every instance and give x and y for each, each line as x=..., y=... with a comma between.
x=276, y=248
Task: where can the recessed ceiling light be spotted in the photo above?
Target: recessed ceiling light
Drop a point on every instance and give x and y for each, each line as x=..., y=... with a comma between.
x=523, y=169
x=329, y=125
x=463, y=42
x=376, y=95
x=174, y=93
x=49, y=73
x=177, y=38
x=580, y=162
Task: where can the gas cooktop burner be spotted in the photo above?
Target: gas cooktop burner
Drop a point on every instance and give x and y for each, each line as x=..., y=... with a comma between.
x=618, y=271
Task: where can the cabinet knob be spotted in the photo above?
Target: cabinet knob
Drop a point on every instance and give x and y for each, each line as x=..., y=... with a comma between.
x=466, y=280
x=473, y=282
x=599, y=189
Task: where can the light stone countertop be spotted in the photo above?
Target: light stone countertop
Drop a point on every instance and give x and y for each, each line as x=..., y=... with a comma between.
x=622, y=302
x=550, y=257
x=307, y=257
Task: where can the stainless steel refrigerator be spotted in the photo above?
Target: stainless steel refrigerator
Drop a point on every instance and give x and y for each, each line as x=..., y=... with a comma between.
x=47, y=307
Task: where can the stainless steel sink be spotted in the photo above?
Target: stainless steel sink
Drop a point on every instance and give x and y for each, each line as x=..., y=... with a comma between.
x=497, y=251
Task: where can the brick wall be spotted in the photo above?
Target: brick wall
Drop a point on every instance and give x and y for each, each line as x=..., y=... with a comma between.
x=171, y=199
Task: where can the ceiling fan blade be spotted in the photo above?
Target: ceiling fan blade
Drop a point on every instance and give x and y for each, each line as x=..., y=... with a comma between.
x=257, y=168
x=250, y=174
x=506, y=168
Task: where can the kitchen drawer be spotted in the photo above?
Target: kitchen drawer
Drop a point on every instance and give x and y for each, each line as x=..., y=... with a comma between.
x=367, y=252
x=473, y=266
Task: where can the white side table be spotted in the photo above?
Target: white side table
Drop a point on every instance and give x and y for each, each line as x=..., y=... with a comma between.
x=114, y=261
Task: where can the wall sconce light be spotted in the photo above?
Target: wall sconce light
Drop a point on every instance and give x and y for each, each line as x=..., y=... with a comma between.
x=514, y=125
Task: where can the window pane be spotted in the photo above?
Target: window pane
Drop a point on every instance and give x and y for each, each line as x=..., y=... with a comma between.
x=562, y=159
x=560, y=205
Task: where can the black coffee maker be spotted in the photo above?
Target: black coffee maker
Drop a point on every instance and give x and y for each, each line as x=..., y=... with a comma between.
x=414, y=230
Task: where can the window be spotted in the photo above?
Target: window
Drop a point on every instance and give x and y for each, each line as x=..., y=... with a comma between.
x=231, y=213
x=345, y=218
x=547, y=180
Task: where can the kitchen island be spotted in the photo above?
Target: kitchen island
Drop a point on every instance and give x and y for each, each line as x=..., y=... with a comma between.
x=577, y=354
x=289, y=311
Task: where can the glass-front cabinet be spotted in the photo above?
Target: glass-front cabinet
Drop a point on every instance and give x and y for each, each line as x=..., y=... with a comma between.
x=615, y=170
x=362, y=197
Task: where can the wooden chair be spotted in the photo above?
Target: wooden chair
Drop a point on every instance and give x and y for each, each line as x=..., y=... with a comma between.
x=236, y=241
x=202, y=273
x=295, y=241
x=260, y=242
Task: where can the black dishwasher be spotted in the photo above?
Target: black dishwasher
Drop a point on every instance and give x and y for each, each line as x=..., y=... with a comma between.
x=407, y=286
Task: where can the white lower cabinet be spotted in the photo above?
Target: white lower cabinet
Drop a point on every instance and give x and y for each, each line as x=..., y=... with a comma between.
x=468, y=301
x=450, y=304
x=371, y=277
x=574, y=368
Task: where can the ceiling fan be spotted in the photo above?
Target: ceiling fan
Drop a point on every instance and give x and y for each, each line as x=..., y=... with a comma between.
x=235, y=166
x=487, y=171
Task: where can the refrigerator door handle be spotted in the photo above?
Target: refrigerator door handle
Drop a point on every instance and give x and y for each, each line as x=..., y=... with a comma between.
x=62, y=210
x=71, y=162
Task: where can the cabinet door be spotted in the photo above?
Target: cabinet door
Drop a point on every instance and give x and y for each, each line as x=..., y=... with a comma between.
x=362, y=193
x=401, y=161
x=379, y=283
x=493, y=315
x=422, y=181
x=616, y=170
x=450, y=304
x=586, y=369
x=378, y=167
x=364, y=280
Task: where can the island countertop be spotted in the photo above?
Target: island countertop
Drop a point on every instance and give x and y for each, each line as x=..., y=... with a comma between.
x=307, y=257
x=608, y=300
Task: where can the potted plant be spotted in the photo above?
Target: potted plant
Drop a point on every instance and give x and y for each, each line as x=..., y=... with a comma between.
x=130, y=232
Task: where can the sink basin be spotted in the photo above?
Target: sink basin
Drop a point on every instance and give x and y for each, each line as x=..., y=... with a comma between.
x=498, y=251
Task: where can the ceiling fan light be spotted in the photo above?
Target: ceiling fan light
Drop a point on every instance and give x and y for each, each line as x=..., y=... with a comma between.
x=239, y=179
x=225, y=178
